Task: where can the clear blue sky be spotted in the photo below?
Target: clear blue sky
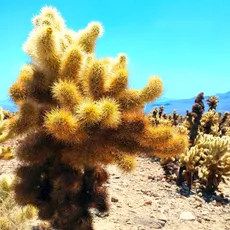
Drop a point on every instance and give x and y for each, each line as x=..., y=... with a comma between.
x=185, y=42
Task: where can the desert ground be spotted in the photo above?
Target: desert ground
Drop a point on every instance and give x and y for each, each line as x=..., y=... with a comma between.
x=143, y=199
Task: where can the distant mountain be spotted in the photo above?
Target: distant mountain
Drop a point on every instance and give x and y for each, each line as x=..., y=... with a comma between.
x=8, y=105
x=181, y=105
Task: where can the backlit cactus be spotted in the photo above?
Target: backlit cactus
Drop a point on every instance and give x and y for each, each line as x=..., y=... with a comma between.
x=5, y=151
x=12, y=216
x=209, y=123
x=77, y=114
x=189, y=165
x=2, y=125
x=190, y=158
x=157, y=117
x=215, y=160
x=193, y=118
x=224, y=124
x=212, y=102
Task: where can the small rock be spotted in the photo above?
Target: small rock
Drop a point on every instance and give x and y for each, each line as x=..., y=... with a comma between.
x=206, y=218
x=151, y=177
x=149, y=202
x=227, y=218
x=198, y=205
x=114, y=199
x=204, y=212
x=128, y=221
x=200, y=194
x=99, y=214
x=158, y=224
x=199, y=199
x=168, y=185
x=187, y=216
x=133, y=211
x=163, y=218
x=199, y=220
x=130, y=205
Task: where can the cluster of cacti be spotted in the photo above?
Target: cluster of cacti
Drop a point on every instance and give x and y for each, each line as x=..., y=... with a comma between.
x=158, y=117
x=199, y=162
x=12, y=216
x=214, y=163
x=76, y=114
x=207, y=158
x=5, y=151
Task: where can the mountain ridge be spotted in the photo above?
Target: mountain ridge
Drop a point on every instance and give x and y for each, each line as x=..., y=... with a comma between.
x=181, y=105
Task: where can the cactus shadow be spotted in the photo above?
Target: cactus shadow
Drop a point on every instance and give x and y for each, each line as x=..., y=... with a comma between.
x=218, y=199
x=185, y=191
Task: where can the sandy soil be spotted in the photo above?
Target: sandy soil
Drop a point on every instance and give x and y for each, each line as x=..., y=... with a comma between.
x=143, y=200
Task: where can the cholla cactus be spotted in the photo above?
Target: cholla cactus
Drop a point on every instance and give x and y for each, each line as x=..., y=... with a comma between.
x=224, y=123
x=7, y=114
x=226, y=131
x=5, y=187
x=203, y=160
x=13, y=217
x=181, y=129
x=5, y=151
x=192, y=123
x=2, y=124
x=157, y=117
x=189, y=162
x=193, y=118
x=177, y=119
x=212, y=102
x=210, y=123
x=215, y=161
x=77, y=114
x=190, y=158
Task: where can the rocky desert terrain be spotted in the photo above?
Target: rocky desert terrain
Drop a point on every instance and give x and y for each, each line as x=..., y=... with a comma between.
x=144, y=200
